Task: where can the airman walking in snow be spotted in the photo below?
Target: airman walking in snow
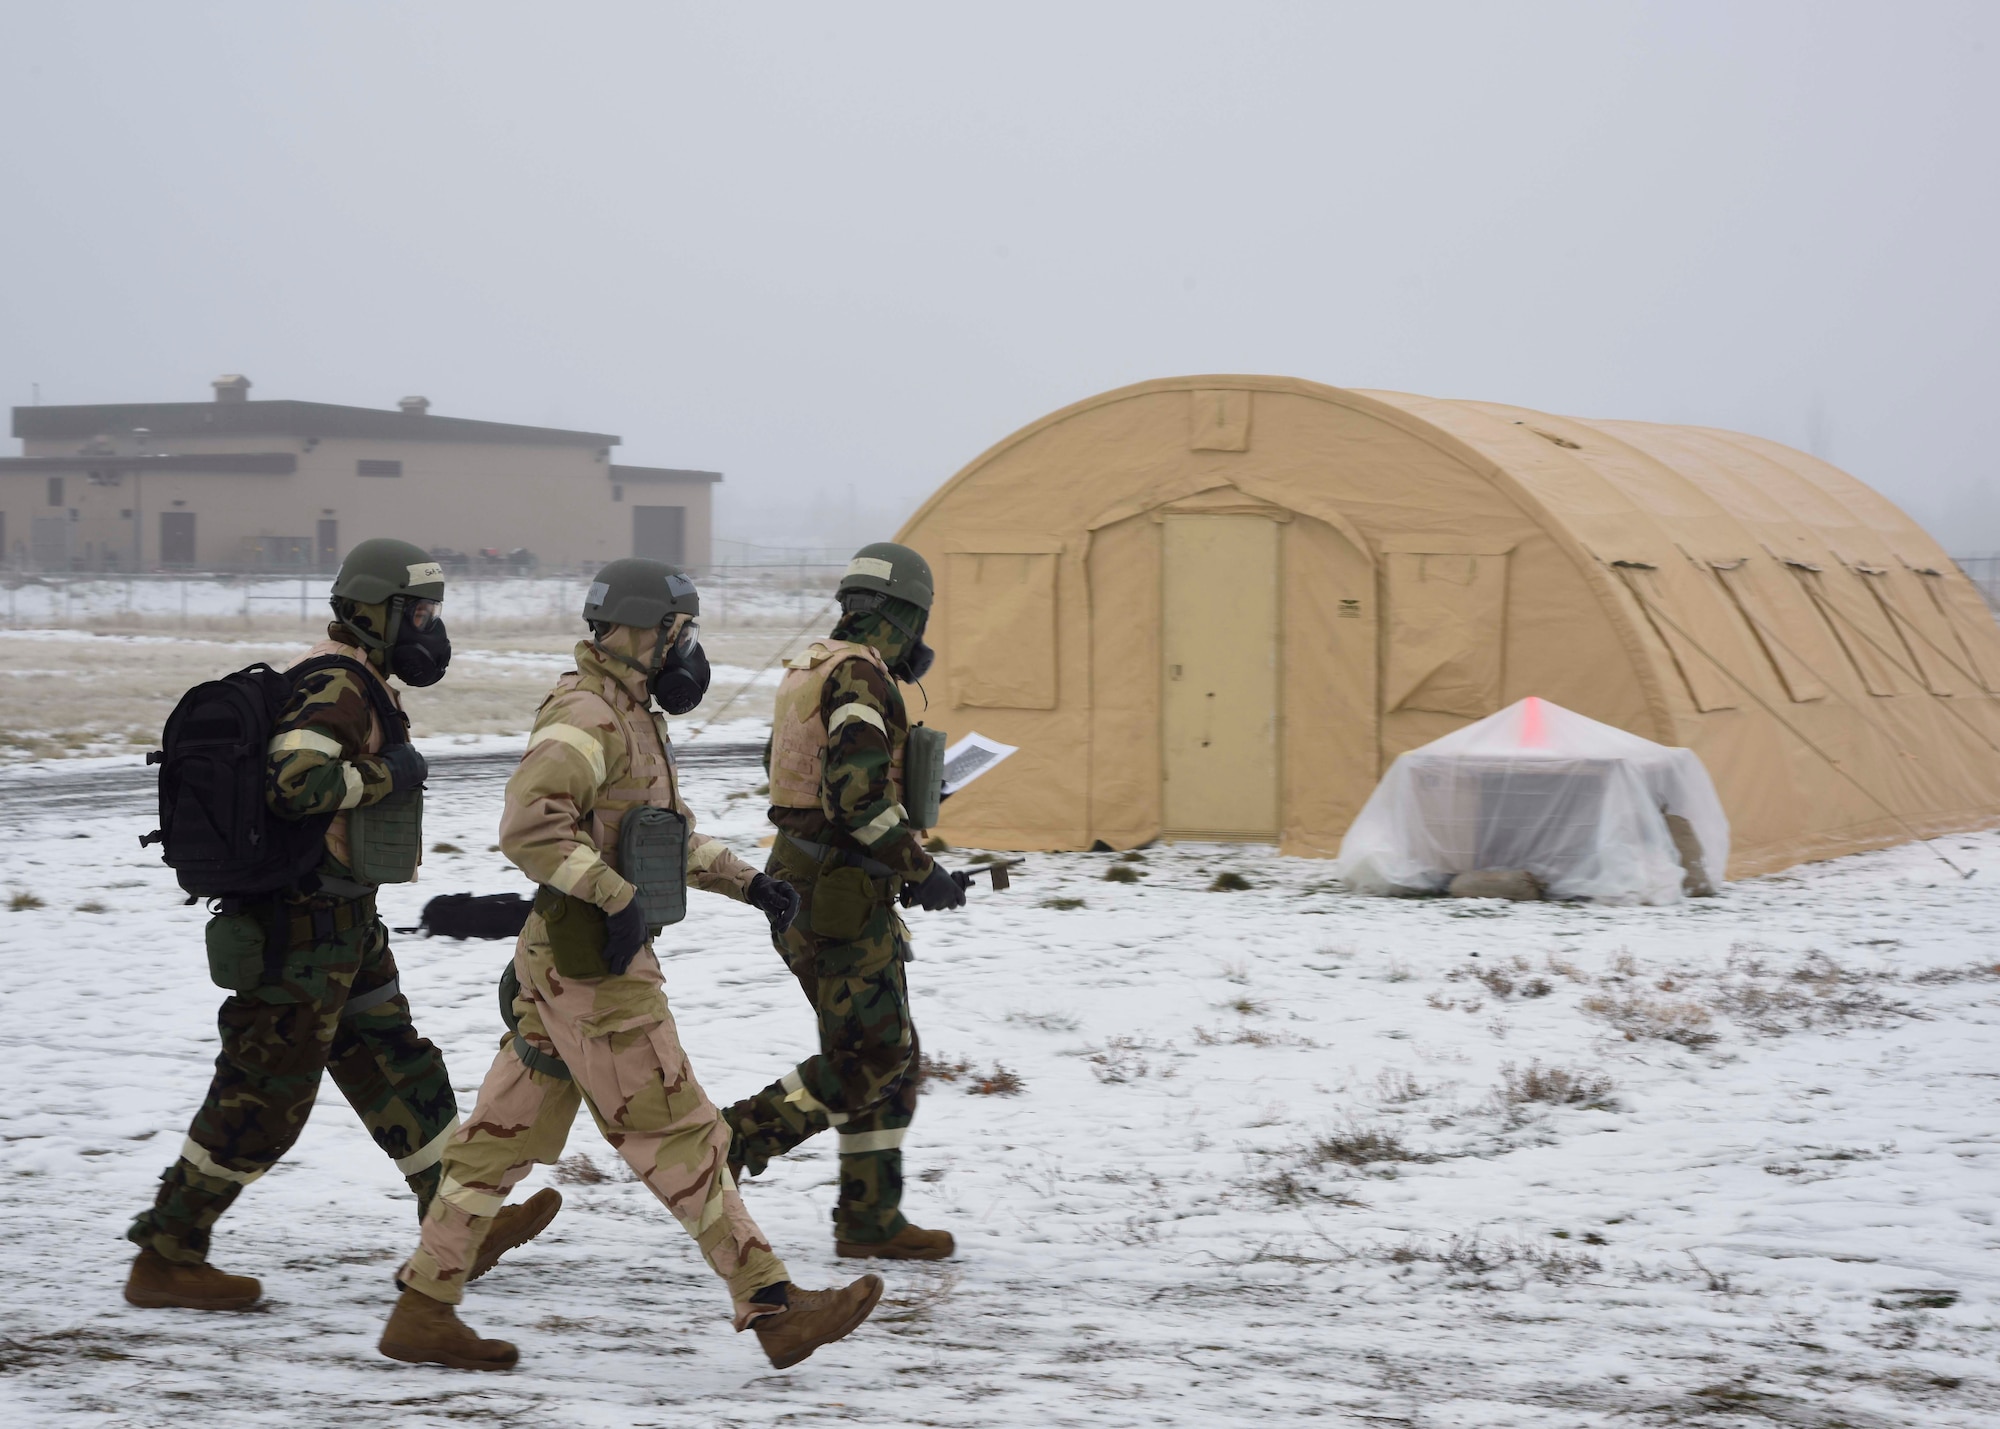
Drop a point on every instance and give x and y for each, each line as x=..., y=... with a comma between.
x=313, y=984
x=594, y=816
x=840, y=742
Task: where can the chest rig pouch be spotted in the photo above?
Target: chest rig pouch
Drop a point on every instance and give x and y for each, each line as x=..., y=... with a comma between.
x=385, y=840
x=652, y=855
x=923, y=776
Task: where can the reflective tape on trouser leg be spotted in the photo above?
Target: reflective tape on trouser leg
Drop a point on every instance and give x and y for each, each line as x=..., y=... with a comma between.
x=473, y=1203
x=196, y=1155
x=429, y=1154
x=798, y=1096
x=856, y=1143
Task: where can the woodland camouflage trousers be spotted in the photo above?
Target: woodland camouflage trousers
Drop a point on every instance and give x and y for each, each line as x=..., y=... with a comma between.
x=626, y=1064
x=865, y=1077
x=277, y=1039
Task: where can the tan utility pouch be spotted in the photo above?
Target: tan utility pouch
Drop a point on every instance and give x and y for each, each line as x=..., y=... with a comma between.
x=843, y=899
x=576, y=933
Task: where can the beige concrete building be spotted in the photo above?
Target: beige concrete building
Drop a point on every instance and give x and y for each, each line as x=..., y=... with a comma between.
x=238, y=485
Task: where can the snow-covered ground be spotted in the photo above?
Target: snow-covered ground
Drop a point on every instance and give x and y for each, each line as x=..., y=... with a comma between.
x=1276, y=1154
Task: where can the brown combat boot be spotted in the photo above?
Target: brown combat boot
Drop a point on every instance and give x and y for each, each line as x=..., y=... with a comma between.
x=909, y=1243
x=515, y=1225
x=158, y=1283
x=427, y=1331
x=812, y=1318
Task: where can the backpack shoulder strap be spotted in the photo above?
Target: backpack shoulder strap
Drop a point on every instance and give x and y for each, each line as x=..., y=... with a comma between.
x=395, y=724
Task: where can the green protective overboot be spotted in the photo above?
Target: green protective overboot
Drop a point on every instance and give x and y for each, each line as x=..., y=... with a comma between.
x=183, y=1213
x=871, y=1195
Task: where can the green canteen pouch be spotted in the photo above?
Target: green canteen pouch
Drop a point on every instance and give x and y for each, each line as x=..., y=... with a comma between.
x=923, y=777
x=235, y=951
x=385, y=840
x=843, y=900
x=652, y=856
x=576, y=933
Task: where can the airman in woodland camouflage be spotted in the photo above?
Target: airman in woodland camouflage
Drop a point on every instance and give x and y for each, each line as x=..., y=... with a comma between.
x=594, y=816
x=330, y=998
x=836, y=761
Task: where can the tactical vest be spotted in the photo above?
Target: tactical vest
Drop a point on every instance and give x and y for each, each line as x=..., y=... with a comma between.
x=798, y=730
x=649, y=782
x=338, y=842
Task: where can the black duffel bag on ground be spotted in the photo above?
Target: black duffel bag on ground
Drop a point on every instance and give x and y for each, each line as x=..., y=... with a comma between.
x=473, y=915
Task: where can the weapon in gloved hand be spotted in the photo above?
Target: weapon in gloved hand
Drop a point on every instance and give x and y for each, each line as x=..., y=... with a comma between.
x=964, y=878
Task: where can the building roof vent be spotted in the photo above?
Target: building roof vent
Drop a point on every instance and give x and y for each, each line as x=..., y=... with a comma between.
x=232, y=387
x=415, y=406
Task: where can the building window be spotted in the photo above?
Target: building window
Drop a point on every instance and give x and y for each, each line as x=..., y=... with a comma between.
x=617, y=493
x=55, y=491
x=366, y=467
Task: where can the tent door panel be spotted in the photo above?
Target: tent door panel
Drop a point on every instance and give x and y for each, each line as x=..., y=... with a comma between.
x=1447, y=615
x=1219, y=691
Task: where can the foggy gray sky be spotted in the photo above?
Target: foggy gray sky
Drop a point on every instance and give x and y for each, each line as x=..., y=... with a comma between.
x=823, y=248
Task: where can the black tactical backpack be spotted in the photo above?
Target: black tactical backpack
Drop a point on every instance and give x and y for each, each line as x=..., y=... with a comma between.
x=216, y=830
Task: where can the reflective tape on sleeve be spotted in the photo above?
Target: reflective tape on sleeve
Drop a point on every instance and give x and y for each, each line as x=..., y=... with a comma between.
x=574, y=869
x=351, y=777
x=702, y=855
x=196, y=1155
x=876, y=828
x=430, y=1153
x=577, y=741
x=854, y=1143
x=310, y=739
x=856, y=710
x=797, y=1095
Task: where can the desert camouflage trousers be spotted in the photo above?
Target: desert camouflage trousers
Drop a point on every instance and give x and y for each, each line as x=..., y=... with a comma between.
x=323, y=1012
x=864, y=1080
x=626, y=1064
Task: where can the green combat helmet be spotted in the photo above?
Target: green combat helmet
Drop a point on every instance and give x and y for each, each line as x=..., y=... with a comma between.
x=387, y=594
x=639, y=592
x=383, y=567
x=891, y=570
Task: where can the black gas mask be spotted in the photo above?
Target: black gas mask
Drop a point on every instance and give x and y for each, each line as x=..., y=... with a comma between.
x=682, y=676
x=419, y=648
x=914, y=663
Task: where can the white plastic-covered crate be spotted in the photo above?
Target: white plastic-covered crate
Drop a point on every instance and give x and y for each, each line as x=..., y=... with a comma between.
x=1587, y=809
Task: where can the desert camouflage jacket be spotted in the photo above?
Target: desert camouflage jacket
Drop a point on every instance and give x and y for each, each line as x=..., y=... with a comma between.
x=860, y=807
x=596, y=750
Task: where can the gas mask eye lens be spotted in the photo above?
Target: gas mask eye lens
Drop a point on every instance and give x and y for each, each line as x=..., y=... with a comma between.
x=423, y=612
x=689, y=637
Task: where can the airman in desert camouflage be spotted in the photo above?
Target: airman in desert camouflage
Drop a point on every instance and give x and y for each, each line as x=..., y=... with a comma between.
x=588, y=1013
x=330, y=999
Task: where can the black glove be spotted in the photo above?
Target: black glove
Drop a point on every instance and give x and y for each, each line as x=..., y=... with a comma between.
x=776, y=900
x=939, y=891
x=406, y=766
x=624, y=935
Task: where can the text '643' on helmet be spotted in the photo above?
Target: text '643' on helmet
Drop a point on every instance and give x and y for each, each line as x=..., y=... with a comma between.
x=639, y=592
x=383, y=567
x=891, y=570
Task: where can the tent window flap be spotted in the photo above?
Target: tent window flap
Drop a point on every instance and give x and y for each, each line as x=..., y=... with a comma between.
x=1003, y=629
x=1776, y=629
x=1706, y=683
x=1447, y=614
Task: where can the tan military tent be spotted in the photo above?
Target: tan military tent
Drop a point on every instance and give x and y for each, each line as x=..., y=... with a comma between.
x=1218, y=607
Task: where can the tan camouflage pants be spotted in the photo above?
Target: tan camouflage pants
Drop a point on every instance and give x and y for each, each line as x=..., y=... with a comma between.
x=618, y=1038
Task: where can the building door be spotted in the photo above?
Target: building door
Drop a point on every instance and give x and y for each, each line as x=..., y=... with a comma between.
x=50, y=539
x=1219, y=700
x=177, y=538
x=659, y=533
x=329, y=545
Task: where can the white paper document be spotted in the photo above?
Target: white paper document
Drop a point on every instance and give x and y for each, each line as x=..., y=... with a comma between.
x=970, y=758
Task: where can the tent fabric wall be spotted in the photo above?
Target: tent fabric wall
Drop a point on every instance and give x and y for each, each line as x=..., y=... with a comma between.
x=1440, y=560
